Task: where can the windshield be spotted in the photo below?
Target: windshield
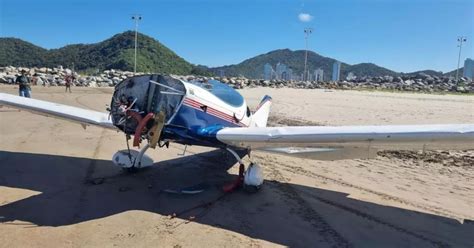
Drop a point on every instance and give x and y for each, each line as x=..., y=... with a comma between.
x=224, y=92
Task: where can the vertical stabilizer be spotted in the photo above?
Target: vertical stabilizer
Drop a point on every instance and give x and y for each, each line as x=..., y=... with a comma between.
x=260, y=117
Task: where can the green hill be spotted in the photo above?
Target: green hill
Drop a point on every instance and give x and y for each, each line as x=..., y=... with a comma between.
x=453, y=72
x=20, y=53
x=114, y=53
x=253, y=67
x=367, y=69
x=117, y=52
x=428, y=72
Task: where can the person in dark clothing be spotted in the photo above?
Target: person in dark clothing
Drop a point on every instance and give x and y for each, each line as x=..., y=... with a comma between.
x=24, y=83
x=69, y=80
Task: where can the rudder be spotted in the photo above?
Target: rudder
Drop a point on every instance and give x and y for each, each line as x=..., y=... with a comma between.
x=260, y=117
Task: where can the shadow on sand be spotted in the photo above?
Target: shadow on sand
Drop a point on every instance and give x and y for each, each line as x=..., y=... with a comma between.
x=71, y=191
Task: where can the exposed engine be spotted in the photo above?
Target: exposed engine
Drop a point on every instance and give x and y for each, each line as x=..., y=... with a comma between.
x=141, y=105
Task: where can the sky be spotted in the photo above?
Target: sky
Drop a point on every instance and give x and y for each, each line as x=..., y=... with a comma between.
x=401, y=35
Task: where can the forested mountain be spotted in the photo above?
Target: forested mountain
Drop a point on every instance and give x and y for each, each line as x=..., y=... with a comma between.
x=117, y=52
x=114, y=53
x=253, y=67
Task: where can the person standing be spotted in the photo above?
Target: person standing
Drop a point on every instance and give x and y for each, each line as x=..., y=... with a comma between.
x=24, y=84
x=69, y=80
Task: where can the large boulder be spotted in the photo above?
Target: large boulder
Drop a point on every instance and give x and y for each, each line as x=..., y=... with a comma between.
x=39, y=81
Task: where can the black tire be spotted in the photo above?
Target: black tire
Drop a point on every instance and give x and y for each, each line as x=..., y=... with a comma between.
x=131, y=170
x=251, y=189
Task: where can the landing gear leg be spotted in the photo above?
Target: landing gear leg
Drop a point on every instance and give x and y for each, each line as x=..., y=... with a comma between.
x=138, y=161
x=240, y=179
x=251, y=179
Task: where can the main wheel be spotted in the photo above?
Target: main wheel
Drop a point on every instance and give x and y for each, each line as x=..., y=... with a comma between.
x=253, y=178
x=131, y=170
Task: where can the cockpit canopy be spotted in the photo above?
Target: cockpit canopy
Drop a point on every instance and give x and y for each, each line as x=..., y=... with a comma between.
x=224, y=92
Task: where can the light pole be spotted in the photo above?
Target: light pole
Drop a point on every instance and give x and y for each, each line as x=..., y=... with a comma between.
x=461, y=39
x=136, y=18
x=307, y=32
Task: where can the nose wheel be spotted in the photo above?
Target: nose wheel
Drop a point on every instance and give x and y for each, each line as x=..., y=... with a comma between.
x=251, y=179
x=132, y=160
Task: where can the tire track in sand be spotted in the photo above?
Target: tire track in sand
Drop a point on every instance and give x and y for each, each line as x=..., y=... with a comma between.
x=379, y=221
x=306, y=212
x=351, y=210
x=90, y=168
x=88, y=177
x=432, y=209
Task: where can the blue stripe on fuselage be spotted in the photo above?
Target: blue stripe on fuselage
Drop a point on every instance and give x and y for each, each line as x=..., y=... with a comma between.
x=196, y=127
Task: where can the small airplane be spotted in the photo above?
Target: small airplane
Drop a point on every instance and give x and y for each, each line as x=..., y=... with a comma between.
x=160, y=109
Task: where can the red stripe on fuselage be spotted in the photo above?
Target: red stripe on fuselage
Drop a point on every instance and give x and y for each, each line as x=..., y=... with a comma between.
x=215, y=115
x=221, y=115
x=209, y=109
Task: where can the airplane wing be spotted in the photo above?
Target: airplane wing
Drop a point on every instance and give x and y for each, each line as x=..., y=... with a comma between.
x=348, y=142
x=80, y=115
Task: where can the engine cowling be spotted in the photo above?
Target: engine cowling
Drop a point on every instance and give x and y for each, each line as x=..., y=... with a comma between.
x=135, y=98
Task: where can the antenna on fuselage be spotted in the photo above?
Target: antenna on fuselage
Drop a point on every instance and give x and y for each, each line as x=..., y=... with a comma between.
x=168, y=87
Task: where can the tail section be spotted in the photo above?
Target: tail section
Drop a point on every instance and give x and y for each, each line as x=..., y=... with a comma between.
x=260, y=117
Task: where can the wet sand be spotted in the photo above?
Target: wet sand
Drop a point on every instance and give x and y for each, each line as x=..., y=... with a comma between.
x=58, y=187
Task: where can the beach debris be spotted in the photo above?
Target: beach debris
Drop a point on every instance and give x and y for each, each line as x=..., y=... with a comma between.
x=447, y=158
x=191, y=190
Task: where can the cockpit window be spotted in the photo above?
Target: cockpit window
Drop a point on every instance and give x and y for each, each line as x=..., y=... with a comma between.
x=224, y=92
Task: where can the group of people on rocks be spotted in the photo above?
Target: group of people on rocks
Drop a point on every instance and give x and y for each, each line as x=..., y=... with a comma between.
x=24, y=83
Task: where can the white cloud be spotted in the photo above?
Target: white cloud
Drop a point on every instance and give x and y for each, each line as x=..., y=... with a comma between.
x=305, y=17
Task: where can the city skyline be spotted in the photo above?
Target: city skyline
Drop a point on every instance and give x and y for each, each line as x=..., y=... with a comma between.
x=336, y=71
x=469, y=68
x=203, y=33
x=319, y=75
x=285, y=72
x=281, y=72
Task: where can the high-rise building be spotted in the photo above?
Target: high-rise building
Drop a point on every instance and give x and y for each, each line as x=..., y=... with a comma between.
x=221, y=73
x=268, y=72
x=468, y=69
x=319, y=75
x=336, y=71
x=283, y=72
x=280, y=70
x=351, y=76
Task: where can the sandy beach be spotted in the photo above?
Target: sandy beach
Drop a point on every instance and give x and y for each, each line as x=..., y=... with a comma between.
x=58, y=187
